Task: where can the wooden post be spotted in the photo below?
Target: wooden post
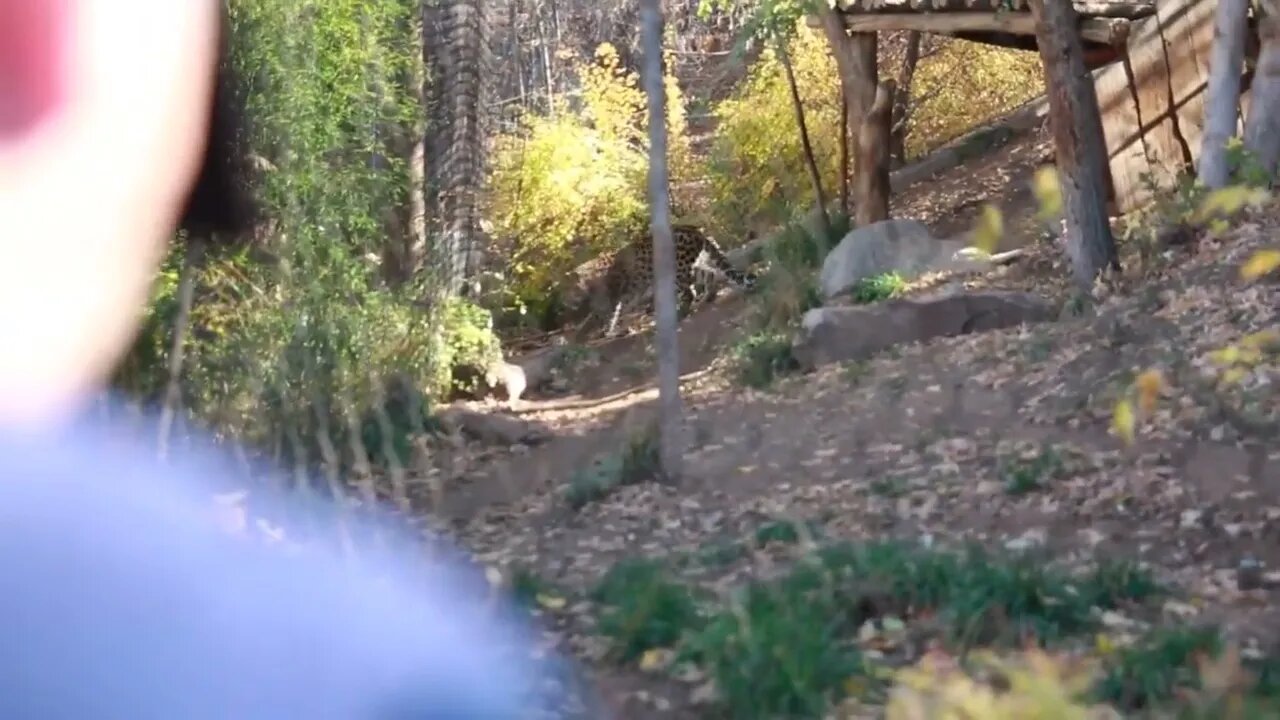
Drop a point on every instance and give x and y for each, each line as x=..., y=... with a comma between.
x=1225, y=66
x=856, y=63
x=670, y=412
x=1077, y=139
x=871, y=188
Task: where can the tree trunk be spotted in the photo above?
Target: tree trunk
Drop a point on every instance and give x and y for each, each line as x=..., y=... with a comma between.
x=671, y=414
x=902, y=101
x=855, y=56
x=192, y=255
x=814, y=176
x=1262, y=128
x=844, y=152
x=1223, y=96
x=1077, y=139
x=871, y=188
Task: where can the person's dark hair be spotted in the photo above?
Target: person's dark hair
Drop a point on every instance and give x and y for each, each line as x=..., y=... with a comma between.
x=220, y=205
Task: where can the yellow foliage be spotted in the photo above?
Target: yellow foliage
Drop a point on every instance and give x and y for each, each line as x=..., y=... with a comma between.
x=1146, y=390
x=1228, y=201
x=1236, y=361
x=965, y=84
x=1122, y=421
x=1048, y=192
x=757, y=169
x=1261, y=263
x=988, y=229
x=1038, y=686
x=573, y=182
x=1149, y=384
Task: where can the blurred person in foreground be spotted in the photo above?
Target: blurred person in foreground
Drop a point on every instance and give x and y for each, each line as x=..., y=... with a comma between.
x=121, y=596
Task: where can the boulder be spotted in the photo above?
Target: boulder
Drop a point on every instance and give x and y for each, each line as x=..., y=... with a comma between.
x=900, y=246
x=836, y=334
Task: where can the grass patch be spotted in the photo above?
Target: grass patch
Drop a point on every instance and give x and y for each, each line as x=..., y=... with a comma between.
x=787, y=532
x=774, y=654
x=789, y=646
x=642, y=609
x=762, y=358
x=878, y=288
x=789, y=287
x=1148, y=673
x=1027, y=474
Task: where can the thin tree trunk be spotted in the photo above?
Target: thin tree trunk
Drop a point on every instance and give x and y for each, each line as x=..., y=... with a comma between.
x=192, y=254
x=844, y=152
x=546, y=63
x=671, y=414
x=1223, y=95
x=902, y=100
x=1077, y=138
x=1262, y=128
x=814, y=176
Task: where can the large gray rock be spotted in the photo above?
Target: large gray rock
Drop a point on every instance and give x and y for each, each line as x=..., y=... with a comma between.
x=836, y=334
x=901, y=246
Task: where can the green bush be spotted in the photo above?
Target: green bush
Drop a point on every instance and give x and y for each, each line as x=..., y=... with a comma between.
x=762, y=358
x=299, y=344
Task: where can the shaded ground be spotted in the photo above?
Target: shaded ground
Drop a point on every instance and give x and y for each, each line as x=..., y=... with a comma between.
x=1001, y=438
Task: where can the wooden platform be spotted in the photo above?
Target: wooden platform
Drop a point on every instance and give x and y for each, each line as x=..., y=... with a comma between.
x=1150, y=61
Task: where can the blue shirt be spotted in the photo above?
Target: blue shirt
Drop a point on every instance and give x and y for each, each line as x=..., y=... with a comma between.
x=121, y=596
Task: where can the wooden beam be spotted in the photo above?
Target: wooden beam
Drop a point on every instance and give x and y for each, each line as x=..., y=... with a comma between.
x=1105, y=31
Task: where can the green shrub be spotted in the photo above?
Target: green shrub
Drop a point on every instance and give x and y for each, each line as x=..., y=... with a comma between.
x=878, y=288
x=641, y=609
x=762, y=358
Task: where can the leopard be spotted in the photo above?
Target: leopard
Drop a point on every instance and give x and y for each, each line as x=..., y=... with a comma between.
x=606, y=284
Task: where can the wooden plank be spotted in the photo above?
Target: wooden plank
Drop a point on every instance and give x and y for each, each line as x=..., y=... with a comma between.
x=1125, y=9
x=1154, y=123
x=1106, y=31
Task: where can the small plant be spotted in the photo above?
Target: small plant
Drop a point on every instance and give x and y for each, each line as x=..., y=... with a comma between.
x=1152, y=671
x=529, y=590
x=789, y=287
x=1111, y=580
x=1245, y=167
x=779, y=652
x=721, y=553
x=855, y=371
x=878, y=288
x=786, y=531
x=636, y=462
x=762, y=358
x=1030, y=684
x=1024, y=475
x=641, y=609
